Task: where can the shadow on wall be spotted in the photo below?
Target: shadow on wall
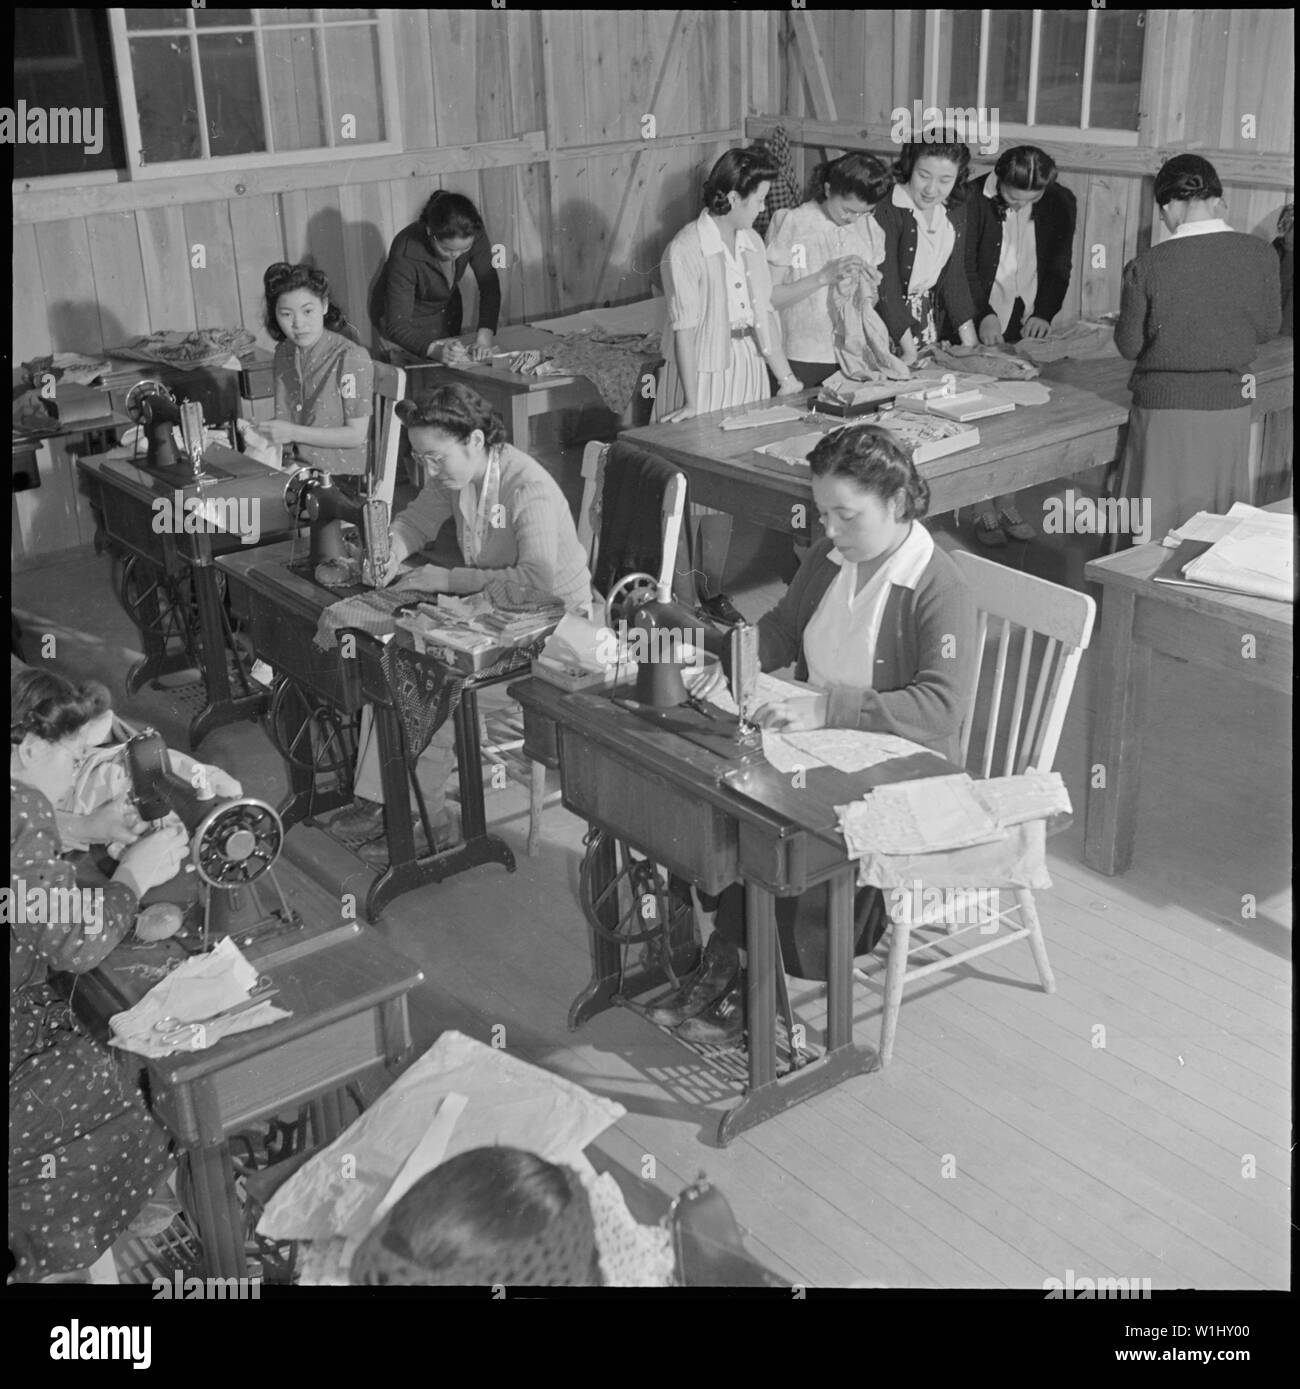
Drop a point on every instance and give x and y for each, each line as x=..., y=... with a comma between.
x=324, y=250
x=72, y=328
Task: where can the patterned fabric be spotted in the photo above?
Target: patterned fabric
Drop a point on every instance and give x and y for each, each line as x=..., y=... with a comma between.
x=369, y=612
x=325, y=386
x=612, y=362
x=424, y=692
x=84, y=1156
x=784, y=191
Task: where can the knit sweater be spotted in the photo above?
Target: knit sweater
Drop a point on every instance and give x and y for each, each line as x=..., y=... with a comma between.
x=952, y=293
x=532, y=556
x=420, y=307
x=1193, y=312
x=925, y=652
x=1053, y=218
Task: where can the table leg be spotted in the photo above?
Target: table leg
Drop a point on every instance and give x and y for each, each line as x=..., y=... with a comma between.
x=606, y=962
x=216, y=1210
x=839, y=972
x=1116, y=743
x=519, y=420
x=221, y=708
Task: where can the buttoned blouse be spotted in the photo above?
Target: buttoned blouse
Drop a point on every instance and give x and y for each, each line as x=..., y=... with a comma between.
x=323, y=387
x=1017, y=275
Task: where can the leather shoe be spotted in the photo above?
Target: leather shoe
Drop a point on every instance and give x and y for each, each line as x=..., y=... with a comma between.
x=723, y=1023
x=717, y=972
x=375, y=853
x=722, y=608
x=988, y=531
x=1015, y=525
x=361, y=820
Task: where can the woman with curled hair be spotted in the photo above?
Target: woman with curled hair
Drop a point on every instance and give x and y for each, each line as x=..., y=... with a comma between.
x=324, y=379
x=518, y=543
x=1019, y=255
x=423, y=307
x=924, y=295
x=880, y=625
x=84, y=1155
x=722, y=334
x=1193, y=313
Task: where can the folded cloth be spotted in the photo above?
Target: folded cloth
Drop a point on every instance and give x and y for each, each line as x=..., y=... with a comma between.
x=1083, y=341
x=374, y=613
x=612, y=362
x=988, y=361
x=194, y=992
x=1015, y=859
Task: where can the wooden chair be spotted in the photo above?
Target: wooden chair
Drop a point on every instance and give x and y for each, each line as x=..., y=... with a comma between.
x=593, y=480
x=1008, y=730
x=386, y=431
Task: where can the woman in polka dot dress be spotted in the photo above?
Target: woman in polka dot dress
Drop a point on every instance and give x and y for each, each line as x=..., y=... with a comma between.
x=84, y=1155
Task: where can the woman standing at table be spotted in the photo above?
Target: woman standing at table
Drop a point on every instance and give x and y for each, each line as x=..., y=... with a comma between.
x=924, y=294
x=422, y=306
x=880, y=625
x=519, y=544
x=722, y=334
x=84, y=1155
x=809, y=247
x=1193, y=312
x=1019, y=255
x=324, y=379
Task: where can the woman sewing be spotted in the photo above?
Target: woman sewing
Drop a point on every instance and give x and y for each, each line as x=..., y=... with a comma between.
x=518, y=543
x=84, y=1155
x=880, y=626
x=423, y=307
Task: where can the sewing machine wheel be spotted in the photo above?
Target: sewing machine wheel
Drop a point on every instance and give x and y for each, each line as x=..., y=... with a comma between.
x=310, y=732
x=139, y=393
x=630, y=593
x=236, y=843
x=634, y=905
x=175, y=615
x=298, y=489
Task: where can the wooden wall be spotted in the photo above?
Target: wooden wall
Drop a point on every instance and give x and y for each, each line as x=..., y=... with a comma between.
x=535, y=115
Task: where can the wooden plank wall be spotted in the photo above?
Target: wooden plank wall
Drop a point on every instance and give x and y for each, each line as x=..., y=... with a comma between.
x=578, y=228
x=1206, y=72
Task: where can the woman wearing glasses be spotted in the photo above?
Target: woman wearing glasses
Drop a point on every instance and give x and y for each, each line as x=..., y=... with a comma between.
x=422, y=307
x=518, y=543
x=84, y=1156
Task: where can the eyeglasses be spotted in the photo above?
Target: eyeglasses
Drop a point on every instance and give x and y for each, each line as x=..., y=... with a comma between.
x=427, y=460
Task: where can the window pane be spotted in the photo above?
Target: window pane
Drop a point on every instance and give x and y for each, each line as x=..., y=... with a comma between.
x=963, y=83
x=164, y=93
x=228, y=63
x=353, y=75
x=63, y=59
x=1117, y=69
x=297, y=113
x=223, y=19
x=156, y=19
x=1060, y=67
x=1007, y=88
x=285, y=16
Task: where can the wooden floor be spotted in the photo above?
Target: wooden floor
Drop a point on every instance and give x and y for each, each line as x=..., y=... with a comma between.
x=1136, y=1124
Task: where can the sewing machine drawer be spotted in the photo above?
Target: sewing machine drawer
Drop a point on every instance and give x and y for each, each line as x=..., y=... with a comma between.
x=283, y=638
x=128, y=525
x=662, y=819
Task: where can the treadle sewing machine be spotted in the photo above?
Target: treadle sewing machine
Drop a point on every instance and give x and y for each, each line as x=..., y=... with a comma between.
x=313, y=496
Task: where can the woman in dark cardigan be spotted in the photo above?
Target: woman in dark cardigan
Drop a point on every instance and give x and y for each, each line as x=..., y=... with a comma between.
x=881, y=625
x=1019, y=255
x=924, y=293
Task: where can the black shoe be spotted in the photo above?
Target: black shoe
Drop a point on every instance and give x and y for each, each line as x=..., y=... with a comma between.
x=717, y=972
x=723, y=1024
x=722, y=608
x=361, y=820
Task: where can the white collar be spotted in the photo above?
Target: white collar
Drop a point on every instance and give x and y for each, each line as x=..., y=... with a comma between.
x=906, y=565
x=991, y=185
x=902, y=198
x=1210, y=224
x=711, y=237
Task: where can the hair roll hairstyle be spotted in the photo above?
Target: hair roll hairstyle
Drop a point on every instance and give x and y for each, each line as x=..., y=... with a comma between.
x=456, y=410
x=283, y=278
x=52, y=708
x=1187, y=178
x=1025, y=168
x=950, y=147
x=738, y=172
x=451, y=214
x=873, y=459
x=852, y=175
x=491, y=1215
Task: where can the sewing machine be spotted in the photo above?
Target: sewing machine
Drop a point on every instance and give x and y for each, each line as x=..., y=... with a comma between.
x=313, y=497
x=153, y=407
x=234, y=844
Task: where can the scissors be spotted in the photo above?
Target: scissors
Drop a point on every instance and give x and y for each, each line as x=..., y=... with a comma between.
x=176, y=1032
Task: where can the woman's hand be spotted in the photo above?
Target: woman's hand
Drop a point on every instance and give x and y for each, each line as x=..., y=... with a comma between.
x=1036, y=328
x=793, y=715
x=687, y=412
x=843, y=269
x=702, y=680
x=278, y=431
x=388, y=571
x=790, y=385
x=967, y=334
x=114, y=822
x=154, y=858
x=990, y=330
x=907, y=352
x=429, y=578
x=452, y=351
x=483, y=343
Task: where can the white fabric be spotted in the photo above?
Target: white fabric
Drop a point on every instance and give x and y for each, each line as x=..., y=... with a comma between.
x=839, y=643
x=743, y=383
x=806, y=325
x=1211, y=224
x=476, y=509
x=1017, y=274
x=933, y=246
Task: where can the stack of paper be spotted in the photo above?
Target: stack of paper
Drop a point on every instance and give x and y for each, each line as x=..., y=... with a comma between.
x=752, y=419
x=1248, y=551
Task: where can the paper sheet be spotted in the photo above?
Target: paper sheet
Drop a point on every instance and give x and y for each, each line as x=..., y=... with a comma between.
x=427, y=1154
x=776, y=414
x=1021, y=392
x=1241, y=519
x=850, y=749
x=918, y=817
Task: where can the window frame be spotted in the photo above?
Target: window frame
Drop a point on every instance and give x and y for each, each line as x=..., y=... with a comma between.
x=1026, y=132
x=136, y=171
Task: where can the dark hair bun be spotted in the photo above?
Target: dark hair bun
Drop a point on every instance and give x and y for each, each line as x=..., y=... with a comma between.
x=872, y=457
x=1187, y=178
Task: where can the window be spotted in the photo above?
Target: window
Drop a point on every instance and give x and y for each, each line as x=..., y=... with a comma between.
x=1057, y=71
x=251, y=87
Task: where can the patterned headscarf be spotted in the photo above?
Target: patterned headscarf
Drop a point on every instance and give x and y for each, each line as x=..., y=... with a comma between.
x=784, y=191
